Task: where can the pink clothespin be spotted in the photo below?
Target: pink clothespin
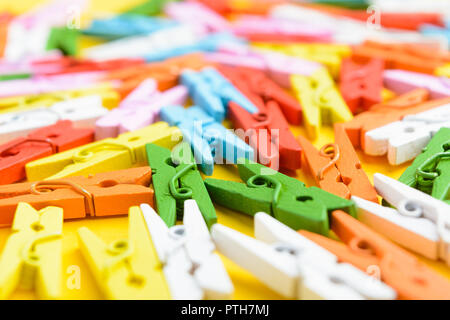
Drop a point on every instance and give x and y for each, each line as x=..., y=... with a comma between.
x=402, y=81
x=276, y=65
x=197, y=14
x=139, y=109
x=257, y=28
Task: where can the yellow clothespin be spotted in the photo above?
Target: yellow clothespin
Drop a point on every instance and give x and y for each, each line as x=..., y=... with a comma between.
x=443, y=71
x=126, y=269
x=330, y=55
x=110, y=98
x=32, y=257
x=125, y=151
x=321, y=101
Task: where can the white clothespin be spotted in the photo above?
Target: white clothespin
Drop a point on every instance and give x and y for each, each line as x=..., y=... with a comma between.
x=294, y=266
x=404, y=140
x=83, y=112
x=420, y=223
x=192, y=269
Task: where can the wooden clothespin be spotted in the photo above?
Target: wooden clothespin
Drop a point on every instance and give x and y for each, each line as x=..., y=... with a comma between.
x=321, y=101
x=294, y=266
x=127, y=268
x=103, y=194
x=32, y=256
x=366, y=249
x=176, y=179
x=286, y=199
x=336, y=167
x=430, y=170
x=361, y=85
x=192, y=269
x=419, y=222
x=125, y=151
x=443, y=71
x=267, y=130
x=39, y=144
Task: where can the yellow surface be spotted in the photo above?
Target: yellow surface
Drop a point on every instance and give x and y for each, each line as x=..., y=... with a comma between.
x=113, y=228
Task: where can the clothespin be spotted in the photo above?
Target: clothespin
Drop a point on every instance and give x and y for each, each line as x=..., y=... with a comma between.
x=267, y=130
x=321, y=101
x=369, y=251
x=361, y=85
x=39, y=144
x=149, y=7
x=213, y=92
x=429, y=171
x=443, y=71
x=126, y=25
x=64, y=40
x=432, y=30
x=139, y=109
x=176, y=179
x=420, y=222
x=329, y=55
x=401, y=81
x=125, y=151
x=285, y=198
x=83, y=112
x=196, y=14
x=5, y=19
x=404, y=140
x=349, y=4
x=165, y=73
x=191, y=268
x=126, y=268
x=267, y=29
x=210, y=141
x=277, y=66
x=336, y=167
x=411, y=57
x=294, y=266
x=32, y=255
x=109, y=98
x=102, y=194
x=415, y=6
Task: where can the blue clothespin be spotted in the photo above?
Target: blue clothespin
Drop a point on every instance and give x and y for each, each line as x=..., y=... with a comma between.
x=209, y=43
x=432, y=30
x=212, y=92
x=126, y=25
x=210, y=141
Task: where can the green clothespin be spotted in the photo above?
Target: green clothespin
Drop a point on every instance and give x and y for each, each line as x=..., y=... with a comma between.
x=64, y=39
x=350, y=4
x=150, y=8
x=430, y=171
x=285, y=198
x=14, y=76
x=175, y=179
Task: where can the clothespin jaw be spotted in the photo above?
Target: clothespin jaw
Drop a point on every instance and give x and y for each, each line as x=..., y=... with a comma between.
x=336, y=167
x=429, y=172
x=321, y=101
x=366, y=249
x=125, y=151
x=285, y=198
x=361, y=85
x=176, y=179
x=38, y=144
x=210, y=141
x=128, y=268
x=192, y=269
x=32, y=256
x=64, y=39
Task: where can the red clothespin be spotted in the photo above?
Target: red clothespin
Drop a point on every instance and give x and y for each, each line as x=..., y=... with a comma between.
x=336, y=167
x=361, y=85
x=38, y=144
x=270, y=99
x=103, y=194
x=5, y=18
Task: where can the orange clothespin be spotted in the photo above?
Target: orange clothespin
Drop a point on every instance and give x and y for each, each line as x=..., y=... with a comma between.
x=5, y=18
x=368, y=251
x=103, y=194
x=361, y=85
x=336, y=167
x=413, y=57
x=165, y=73
x=379, y=115
x=241, y=6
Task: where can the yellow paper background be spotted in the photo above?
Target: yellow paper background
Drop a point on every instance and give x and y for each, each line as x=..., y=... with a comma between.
x=113, y=228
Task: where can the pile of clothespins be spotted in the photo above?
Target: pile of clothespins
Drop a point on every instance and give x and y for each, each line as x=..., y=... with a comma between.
x=174, y=91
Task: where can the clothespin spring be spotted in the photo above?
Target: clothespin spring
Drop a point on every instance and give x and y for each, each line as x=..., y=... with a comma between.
x=47, y=140
x=260, y=180
x=180, y=193
x=424, y=175
x=84, y=154
x=331, y=151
